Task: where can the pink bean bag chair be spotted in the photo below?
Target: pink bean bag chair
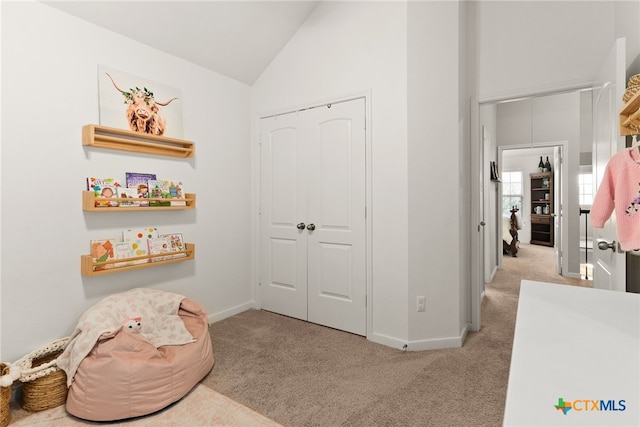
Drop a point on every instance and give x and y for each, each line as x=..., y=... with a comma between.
x=124, y=375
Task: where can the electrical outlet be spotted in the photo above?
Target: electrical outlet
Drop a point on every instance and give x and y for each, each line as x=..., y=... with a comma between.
x=422, y=303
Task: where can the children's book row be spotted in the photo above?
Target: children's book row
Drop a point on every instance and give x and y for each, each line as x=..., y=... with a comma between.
x=134, y=243
x=140, y=189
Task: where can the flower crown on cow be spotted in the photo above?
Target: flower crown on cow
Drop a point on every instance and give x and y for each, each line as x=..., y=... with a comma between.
x=139, y=93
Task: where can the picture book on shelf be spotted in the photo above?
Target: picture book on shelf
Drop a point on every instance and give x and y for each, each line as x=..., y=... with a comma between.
x=123, y=250
x=103, y=189
x=137, y=240
x=103, y=250
x=159, y=189
x=176, y=191
x=159, y=245
x=139, y=181
x=128, y=193
x=177, y=244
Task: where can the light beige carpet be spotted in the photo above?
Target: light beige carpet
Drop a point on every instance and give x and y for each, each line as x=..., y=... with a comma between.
x=304, y=375
x=201, y=407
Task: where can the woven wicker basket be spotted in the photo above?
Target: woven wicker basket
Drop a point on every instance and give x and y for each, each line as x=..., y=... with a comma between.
x=632, y=87
x=45, y=384
x=5, y=399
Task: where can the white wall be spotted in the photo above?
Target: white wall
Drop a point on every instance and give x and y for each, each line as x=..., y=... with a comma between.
x=528, y=47
x=347, y=47
x=627, y=16
x=49, y=91
x=586, y=127
x=466, y=26
x=434, y=139
x=1, y=134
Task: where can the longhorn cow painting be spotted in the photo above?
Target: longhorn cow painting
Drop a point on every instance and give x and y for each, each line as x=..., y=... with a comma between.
x=130, y=102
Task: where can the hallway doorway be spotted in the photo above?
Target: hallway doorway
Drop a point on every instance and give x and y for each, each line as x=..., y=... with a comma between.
x=540, y=213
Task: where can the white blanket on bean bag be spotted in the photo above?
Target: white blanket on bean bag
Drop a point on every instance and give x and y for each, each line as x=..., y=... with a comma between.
x=160, y=324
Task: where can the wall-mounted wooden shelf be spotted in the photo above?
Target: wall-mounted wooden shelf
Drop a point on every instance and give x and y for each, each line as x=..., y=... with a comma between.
x=630, y=116
x=126, y=140
x=89, y=205
x=88, y=265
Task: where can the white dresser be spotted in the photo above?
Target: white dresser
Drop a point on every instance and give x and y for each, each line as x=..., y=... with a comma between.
x=580, y=345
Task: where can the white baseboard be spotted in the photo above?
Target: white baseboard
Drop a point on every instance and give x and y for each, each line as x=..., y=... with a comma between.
x=493, y=273
x=438, y=344
x=387, y=340
x=216, y=317
x=463, y=333
x=572, y=275
x=420, y=345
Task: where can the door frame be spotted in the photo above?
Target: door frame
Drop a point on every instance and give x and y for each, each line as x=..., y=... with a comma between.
x=368, y=208
x=563, y=146
x=613, y=71
x=478, y=253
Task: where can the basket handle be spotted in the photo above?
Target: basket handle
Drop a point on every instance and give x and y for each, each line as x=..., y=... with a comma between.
x=43, y=367
x=29, y=373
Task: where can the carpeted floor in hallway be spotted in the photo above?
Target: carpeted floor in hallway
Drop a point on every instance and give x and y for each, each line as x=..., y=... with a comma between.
x=301, y=374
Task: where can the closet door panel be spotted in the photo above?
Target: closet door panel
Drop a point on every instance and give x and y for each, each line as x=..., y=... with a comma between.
x=335, y=270
x=283, y=249
x=336, y=200
x=334, y=173
x=283, y=165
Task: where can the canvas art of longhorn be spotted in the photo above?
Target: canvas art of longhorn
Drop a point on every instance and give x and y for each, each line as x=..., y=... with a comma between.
x=143, y=113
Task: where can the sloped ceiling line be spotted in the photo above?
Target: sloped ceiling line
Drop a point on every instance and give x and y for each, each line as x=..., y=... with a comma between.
x=238, y=39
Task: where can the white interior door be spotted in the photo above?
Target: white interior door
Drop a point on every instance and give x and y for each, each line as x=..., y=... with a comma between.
x=313, y=226
x=608, y=263
x=477, y=223
x=283, y=248
x=485, y=242
x=558, y=207
x=336, y=195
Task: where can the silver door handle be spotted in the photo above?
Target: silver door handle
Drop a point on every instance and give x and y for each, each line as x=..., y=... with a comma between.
x=603, y=245
x=311, y=227
x=300, y=226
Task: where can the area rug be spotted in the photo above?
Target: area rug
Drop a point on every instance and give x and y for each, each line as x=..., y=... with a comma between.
x=201, y=407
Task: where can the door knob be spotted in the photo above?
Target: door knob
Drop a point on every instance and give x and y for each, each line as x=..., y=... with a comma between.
x=300, y=226
x=603, y=245
x=482, y=223
x=311, y=227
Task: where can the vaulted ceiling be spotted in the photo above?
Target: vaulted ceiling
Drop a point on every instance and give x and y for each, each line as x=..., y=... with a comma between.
x=234, y=38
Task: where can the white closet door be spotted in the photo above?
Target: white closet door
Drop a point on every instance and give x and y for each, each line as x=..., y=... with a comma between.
x=313, y=253
x=609, y=266
x=336, y=195
x=283, y=252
